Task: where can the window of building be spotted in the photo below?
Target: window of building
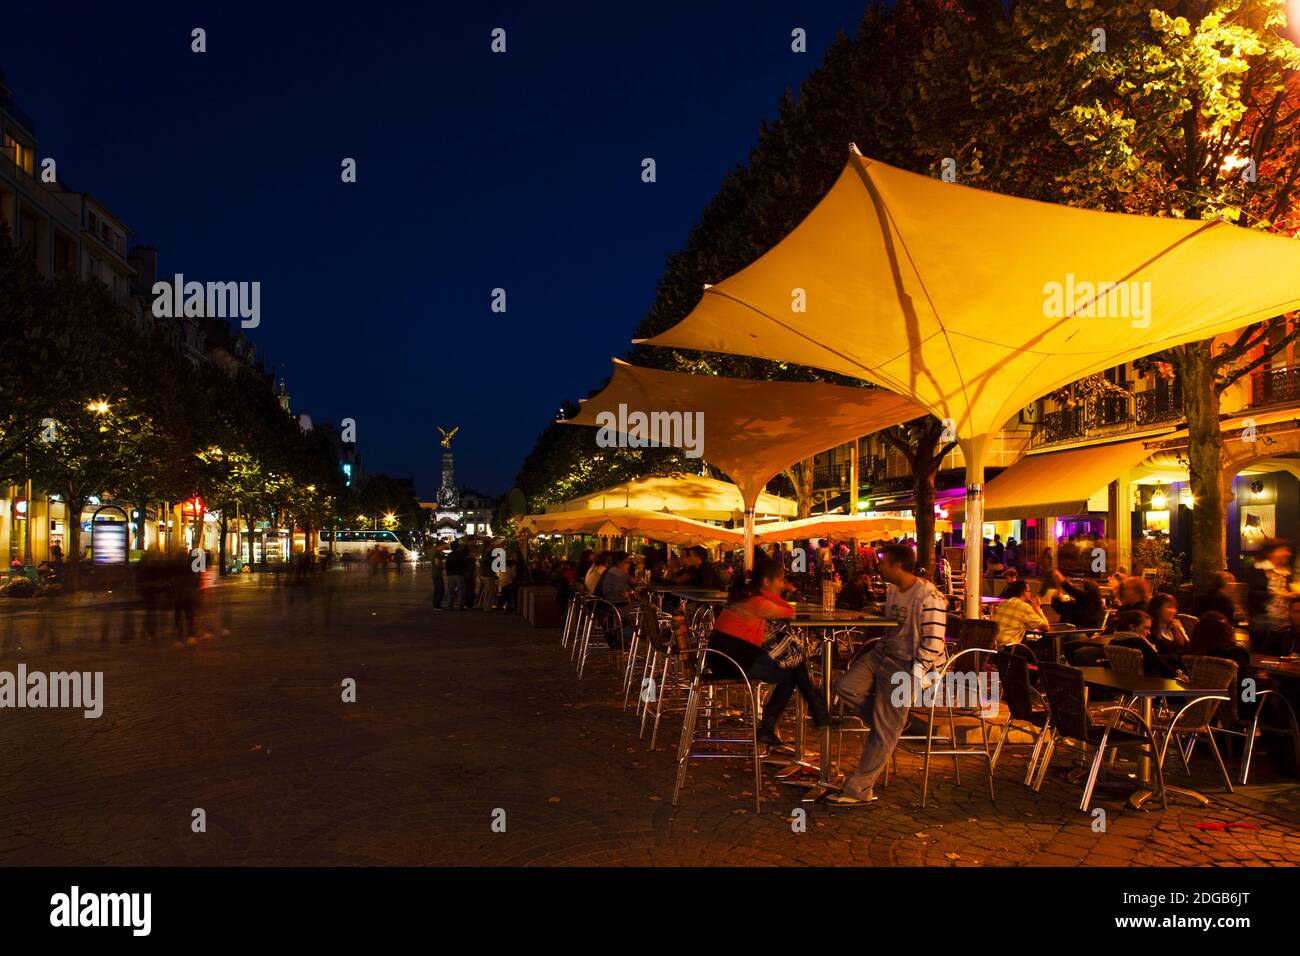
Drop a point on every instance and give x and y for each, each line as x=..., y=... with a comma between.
x=24, y=155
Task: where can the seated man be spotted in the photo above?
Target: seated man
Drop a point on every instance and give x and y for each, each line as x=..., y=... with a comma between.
x=1079, y=602
x=914, y=649
x=1019, y=612
x=615, y=586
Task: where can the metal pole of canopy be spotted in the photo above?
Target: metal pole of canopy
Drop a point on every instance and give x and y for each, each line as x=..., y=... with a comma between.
x=973, y=536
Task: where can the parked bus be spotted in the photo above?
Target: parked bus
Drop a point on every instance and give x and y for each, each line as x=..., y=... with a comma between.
x=352, y=545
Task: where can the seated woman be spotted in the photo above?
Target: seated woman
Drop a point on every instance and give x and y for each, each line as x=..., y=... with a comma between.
x=1019, y=611
x=1214, y=636
x=1167, y=632
x=1135, y=628
x=740, y=632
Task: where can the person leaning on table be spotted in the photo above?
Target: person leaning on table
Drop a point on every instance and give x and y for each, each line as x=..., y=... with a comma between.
x=741, y=631
x=901, y=659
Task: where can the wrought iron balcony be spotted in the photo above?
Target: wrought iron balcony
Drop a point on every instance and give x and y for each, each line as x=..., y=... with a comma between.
x=1160, y=404
x=1275, y=386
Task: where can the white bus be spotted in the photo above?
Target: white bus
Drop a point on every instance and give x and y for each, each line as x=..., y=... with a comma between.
x=356, y=544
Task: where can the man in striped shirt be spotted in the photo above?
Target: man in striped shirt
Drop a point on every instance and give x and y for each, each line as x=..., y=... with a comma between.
x=904, y=658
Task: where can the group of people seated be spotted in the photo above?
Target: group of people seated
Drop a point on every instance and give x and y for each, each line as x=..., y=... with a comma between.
x=1138, y=619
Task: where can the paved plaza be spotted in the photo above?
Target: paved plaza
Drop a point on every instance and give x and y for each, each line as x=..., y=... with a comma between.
x=459, y=716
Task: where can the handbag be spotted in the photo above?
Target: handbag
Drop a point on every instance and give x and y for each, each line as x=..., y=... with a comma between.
x=785, y=650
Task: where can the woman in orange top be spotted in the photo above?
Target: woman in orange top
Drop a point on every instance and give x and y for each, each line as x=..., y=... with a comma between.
x=740, y=632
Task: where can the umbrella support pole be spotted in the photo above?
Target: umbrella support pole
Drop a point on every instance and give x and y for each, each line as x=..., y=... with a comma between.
x=973, y=542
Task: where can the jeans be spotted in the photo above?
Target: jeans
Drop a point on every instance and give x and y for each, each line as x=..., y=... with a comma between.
x=875, y=672
x=456, y=592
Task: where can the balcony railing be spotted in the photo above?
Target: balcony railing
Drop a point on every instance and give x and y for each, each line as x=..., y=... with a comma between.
x=1275, y=385
x=1160, y=404
x=831, y=476
x=1110, y=412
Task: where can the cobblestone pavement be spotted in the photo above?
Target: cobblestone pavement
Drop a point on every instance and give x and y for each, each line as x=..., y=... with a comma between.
x=460, y=715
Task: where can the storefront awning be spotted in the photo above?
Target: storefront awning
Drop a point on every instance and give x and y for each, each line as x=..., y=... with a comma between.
x=1056, y=483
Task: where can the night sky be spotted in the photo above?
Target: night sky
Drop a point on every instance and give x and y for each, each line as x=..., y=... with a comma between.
x=475, y=171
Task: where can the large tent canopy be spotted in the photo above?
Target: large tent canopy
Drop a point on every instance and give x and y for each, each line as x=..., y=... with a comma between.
x=688, y=496
x=861, y=527
x=974, y=304
x=617, y=522
x=752, y=430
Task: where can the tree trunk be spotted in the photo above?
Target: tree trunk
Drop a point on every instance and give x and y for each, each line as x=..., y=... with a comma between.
x=1194, y=364
x=221, y=546
x=141, y=506
x=923, y=487
x=801, y=476
x=74, y=506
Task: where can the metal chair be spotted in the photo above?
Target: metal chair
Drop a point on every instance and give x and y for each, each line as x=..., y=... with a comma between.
x=581, y=622
x=604, y=621
x=1189, y=622
x=669, y=677
x=941, y=704
x=1071, y=721
x=1026, y=705
x=1194, y=718
x=643, y=621
x=1229, y=720
x=699, y=744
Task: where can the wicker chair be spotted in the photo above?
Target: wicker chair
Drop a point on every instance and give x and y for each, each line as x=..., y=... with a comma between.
x=1125, y=660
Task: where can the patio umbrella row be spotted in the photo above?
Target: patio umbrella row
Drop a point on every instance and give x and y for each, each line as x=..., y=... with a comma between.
x=676, y=530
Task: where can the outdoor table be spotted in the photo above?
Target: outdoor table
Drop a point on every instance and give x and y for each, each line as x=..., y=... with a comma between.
x=1286, y=667
x=814, y=620
x=1146, y=689
x=1058, y=638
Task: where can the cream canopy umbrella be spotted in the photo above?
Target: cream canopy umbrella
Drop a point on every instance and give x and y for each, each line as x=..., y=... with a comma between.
x=751, y=430
x=687, y=496
x=837, y=525
x=974, y=303
x=614, y=522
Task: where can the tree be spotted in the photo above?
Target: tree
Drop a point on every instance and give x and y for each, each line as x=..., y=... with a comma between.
x=924, y=444
x=1191, y=110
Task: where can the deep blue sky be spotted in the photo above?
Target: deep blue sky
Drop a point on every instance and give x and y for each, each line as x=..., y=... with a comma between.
x=475, y=171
